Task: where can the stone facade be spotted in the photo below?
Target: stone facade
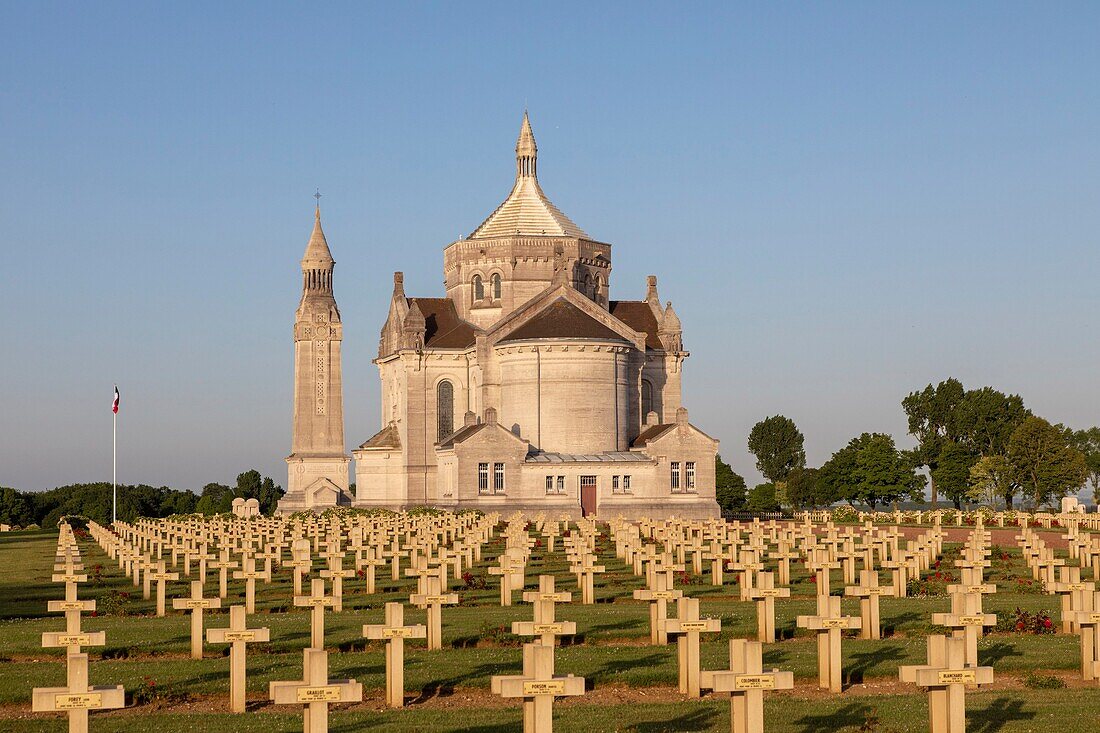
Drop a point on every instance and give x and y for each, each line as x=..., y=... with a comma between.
x=526, y=387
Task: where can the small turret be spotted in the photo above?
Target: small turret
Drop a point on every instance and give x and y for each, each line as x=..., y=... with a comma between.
x=414, y=328
x=317, y=262
x=527, y=152
x=670, y=331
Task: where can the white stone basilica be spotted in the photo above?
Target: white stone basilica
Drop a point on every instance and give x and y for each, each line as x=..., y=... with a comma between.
x=525, y=387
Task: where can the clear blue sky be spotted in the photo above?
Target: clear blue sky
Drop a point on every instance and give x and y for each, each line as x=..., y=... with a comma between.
x=845, y=201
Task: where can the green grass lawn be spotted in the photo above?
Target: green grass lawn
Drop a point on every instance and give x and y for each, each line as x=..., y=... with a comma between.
x=610, y=650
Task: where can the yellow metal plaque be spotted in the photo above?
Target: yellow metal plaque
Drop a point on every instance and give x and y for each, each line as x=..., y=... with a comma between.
x=70, y=605
x=194, y=603
x=400, y=632
x=875, y=590
x=659, y=595
x=834, y=623
x=435, y=599
x=547, y=628
x=547, y=687
x=693, y=626
x=754, y=682
x=240, y=636
x=957, y=676
x=771, y=593
x=972, y=620
x=975, y=589
x=1077, y=586
x=1094, y=618
x=318, y=694
x=85, y=701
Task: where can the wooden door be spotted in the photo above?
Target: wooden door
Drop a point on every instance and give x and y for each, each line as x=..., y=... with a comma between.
x=588, y=496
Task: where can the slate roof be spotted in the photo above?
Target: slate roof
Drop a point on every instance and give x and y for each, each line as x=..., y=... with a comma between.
x=651, y=433
x=444, y=329
x=608, y=457
x=638, y=315
x=562, y=319
x=387, y=438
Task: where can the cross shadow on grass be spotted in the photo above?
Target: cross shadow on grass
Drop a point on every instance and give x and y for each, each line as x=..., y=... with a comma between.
x=696, y=720
x=999, y=712
x=852, y=714
x=997, y=652
x=445, y=688
x=618, y=666
x=891, y=625
x=861, y=662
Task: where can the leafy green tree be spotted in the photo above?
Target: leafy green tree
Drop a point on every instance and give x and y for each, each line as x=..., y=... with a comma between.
x=250, y=485
x=14, y=509
x=952, y=471
x=729, y=487
x=778, y=446
x=1043, y=462
x=991, y=478
x=1088, y=442
x=871, y=470
x=762, y=499
x=985, y=419
x=803, y=490
x=930, y=412
x=215, y=499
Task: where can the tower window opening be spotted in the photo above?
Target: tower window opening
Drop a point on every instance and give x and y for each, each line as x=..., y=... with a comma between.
x=495, y=282
x=479, y=288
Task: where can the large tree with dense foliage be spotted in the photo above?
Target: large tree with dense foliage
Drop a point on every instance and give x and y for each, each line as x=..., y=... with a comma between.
x=985, y=419
x=870, y=470
x=992, y=479
x=1088, y=442
x=930, y=413
x=952, y=471
x=729, y=486
x=250, y=485
x=216, y=499
x=93, y=501
x=803, y=489
x=778, y=445
x=762, y=499
x=1043, y=462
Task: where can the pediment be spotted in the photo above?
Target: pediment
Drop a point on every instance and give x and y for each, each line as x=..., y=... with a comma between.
x=563, y=312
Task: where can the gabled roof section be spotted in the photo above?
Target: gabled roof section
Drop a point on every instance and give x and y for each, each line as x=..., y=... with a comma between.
x=461, y=434
x=444, y=329
x=651, y=433
x=527, y=210
x=638, y=314
x=388, y=438
x=590, y=321
x=562, y=319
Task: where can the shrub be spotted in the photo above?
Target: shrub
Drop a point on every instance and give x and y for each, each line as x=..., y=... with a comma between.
x=1043, y=681
x=114, y=603
x=1025, y=622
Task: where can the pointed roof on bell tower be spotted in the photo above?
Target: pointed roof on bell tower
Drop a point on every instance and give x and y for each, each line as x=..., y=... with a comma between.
x=317, y=251
x=527, y=210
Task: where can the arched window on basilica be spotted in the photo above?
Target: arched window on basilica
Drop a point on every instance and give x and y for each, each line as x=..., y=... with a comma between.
x=598, y=289
x=494, y=281
x=479, y=288
x=444, y=409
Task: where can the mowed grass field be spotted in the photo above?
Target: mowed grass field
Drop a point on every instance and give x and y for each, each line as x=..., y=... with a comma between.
x=632, y=685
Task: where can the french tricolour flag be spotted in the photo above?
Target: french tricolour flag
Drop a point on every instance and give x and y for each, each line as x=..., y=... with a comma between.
x=114, y=405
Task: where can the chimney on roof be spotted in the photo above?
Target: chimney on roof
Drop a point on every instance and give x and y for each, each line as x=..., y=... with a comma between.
x=682, y=416
x=490, y=416
x=469, y=419
x=399, y=285
x=651, y=419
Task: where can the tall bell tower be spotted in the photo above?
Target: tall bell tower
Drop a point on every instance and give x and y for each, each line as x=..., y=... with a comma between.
x=317, y=465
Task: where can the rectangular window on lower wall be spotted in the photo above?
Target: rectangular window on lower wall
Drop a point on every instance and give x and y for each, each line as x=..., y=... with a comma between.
x=498, y=478
x=561, y=484
x=483, y=478
x=626, y=484
x=675, y=477
x=549, y=484
x=689, y=476
x=614, y=484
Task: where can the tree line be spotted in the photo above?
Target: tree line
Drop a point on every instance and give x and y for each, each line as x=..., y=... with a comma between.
x=44, y=508
x=977, y=446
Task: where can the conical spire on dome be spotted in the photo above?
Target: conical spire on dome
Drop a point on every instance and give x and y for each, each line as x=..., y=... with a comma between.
x=317, y=262
x=527, y=211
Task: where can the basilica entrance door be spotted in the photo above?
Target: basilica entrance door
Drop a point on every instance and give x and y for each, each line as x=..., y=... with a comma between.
x=588, y=496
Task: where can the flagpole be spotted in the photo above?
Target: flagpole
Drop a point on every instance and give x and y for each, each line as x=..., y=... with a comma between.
x=114, y=468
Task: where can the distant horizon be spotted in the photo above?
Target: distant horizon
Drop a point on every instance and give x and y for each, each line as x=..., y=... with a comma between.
x=858, y=202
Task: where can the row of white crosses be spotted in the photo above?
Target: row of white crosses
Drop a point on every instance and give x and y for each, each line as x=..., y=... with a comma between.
x=77, y=697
